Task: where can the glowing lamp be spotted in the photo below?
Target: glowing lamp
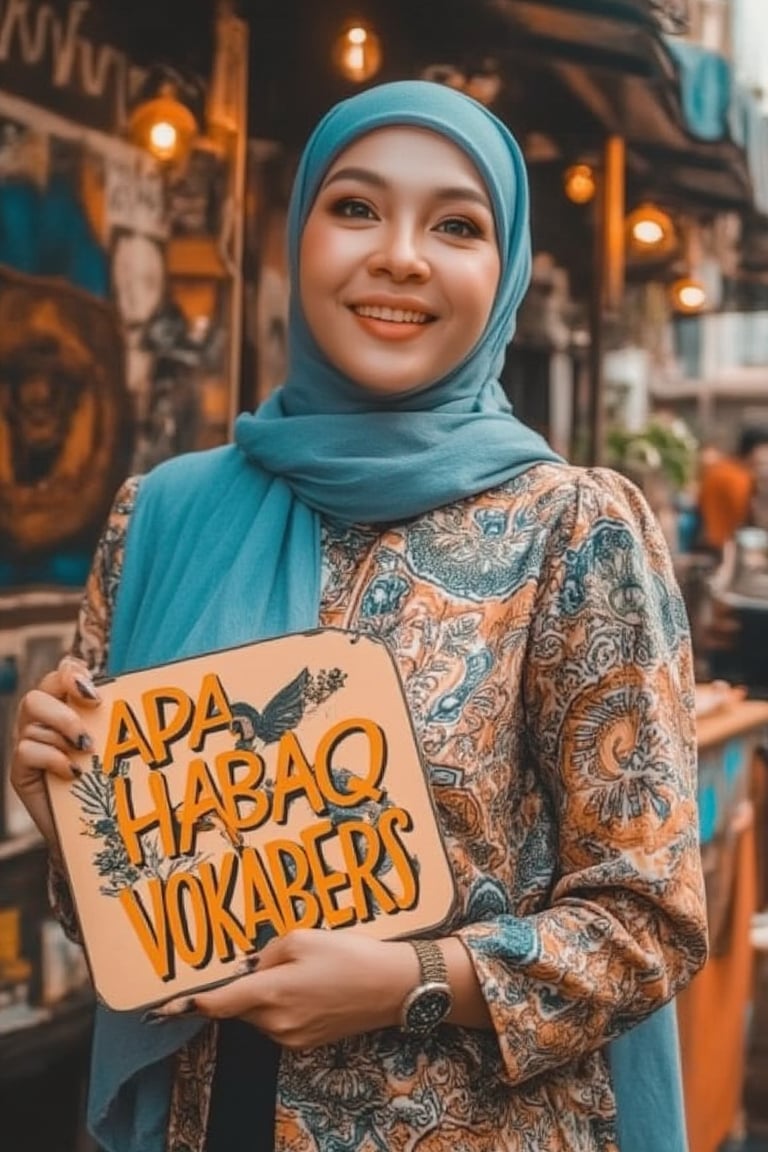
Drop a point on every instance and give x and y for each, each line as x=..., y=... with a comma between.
x=650, y=230
x=163, y=139
x=163, y=125
x=579, y=183
x=688, y=295
x=357, y=53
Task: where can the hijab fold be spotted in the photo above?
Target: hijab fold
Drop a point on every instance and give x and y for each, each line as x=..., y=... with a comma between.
x=223, y=547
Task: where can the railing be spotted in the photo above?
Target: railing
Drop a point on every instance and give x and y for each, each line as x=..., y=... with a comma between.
x=672, y=16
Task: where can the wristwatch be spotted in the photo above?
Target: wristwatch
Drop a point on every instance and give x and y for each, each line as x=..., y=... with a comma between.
x=431, y=1000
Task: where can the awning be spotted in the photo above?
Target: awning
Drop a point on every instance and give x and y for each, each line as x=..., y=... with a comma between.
x=619, y=35
x=671, y=101
x=716, y=108
x=705, y=89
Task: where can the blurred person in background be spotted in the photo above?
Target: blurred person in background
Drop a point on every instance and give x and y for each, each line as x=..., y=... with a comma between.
x=733, y=489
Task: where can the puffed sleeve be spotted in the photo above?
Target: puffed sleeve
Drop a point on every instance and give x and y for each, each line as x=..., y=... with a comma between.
x=608, y=693
x=91, y=644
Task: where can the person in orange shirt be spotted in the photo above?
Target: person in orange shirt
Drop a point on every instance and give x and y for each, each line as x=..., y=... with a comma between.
x=727, y=487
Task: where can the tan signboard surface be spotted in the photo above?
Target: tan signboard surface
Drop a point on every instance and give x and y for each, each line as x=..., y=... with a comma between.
x=235, y=796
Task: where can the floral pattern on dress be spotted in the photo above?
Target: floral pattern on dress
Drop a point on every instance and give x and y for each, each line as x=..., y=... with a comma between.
x=545, y=656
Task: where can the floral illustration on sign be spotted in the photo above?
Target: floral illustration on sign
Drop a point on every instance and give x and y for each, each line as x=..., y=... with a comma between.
x=95, y=790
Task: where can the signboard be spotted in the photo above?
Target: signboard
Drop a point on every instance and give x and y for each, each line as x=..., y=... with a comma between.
x=49, y=55
x=239, y=795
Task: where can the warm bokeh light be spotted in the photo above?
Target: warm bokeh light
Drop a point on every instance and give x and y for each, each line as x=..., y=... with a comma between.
x=163, y=125
x=648, y=232
x=357, y=53
x=163, y=139
x=650, y=229
x=688, y=295
x=579, y=183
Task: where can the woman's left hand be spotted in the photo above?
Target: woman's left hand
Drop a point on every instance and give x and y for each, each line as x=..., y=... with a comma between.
x=313, y=987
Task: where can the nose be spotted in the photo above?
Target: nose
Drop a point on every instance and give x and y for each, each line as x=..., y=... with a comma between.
x=399, y=255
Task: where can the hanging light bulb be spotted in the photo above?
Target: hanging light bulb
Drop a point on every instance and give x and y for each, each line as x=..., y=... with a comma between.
x=162, y=123
x=650, y=230
x=579, y=183
x=163, y=139
x=357, y=52
x=688, y=295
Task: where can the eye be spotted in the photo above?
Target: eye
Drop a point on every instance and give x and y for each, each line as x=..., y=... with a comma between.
x=350, y=208
x=461, y=227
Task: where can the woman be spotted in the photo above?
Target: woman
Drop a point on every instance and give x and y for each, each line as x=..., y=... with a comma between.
x=532, y=612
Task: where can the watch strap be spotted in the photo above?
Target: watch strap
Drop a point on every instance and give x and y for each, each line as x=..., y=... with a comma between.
x=431, y=962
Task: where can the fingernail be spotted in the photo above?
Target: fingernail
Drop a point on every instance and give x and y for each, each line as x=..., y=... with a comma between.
x=170, y=1011
x=83, y=742
x=249, y=964
x=85, y=688
x=76, y=772
x=153, y=1017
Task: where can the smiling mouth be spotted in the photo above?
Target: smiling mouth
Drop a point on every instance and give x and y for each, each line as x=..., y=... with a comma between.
x=391, y=315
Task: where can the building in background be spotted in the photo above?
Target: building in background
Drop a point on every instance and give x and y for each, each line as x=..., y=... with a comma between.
x=714, y=363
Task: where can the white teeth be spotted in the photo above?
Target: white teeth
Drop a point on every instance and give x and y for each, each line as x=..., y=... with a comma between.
x=394, y=315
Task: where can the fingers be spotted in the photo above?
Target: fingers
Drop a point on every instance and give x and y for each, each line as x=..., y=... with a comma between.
x=238, y=997
x=47, y=719
x=77, y=681
x=48, y=732
x=33, y=757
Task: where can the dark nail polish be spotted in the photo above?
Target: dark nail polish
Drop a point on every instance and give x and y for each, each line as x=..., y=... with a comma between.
x=155, y=1015
x=83, y=742
x=247, y=964
x=189, y=1009
x=76, y=772
x=85, y=688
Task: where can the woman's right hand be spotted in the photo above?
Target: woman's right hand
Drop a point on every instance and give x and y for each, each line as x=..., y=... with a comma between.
x=46, y=733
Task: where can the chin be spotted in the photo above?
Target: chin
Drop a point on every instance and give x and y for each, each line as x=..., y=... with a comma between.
x=386, y=389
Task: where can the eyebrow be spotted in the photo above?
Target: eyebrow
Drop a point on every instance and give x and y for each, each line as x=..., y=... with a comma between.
x=459, y=192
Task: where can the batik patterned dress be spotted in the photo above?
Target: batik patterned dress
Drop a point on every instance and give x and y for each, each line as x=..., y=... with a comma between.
x=545, y=654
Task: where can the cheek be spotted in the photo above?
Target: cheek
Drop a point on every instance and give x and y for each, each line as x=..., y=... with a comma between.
x=308, y=267
x=323, y=267
x=480, y=292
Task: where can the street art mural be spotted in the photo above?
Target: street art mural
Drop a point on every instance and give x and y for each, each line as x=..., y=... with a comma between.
x=113, y=309
x=65, y=417
x=112, y=356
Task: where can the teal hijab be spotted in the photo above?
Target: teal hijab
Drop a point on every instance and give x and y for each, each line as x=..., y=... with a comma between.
x=224, y=546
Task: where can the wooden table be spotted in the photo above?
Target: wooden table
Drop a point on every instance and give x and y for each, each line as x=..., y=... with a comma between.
x=713, y=1012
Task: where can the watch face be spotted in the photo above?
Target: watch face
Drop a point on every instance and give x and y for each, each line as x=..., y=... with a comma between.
x=428, y=1008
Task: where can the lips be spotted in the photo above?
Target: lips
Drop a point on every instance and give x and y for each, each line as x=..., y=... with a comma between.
x=392, y=315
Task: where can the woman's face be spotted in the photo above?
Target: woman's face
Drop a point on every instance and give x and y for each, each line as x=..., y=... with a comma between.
x=398, y=264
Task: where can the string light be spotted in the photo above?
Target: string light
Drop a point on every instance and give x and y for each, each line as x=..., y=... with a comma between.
x=357, y=53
